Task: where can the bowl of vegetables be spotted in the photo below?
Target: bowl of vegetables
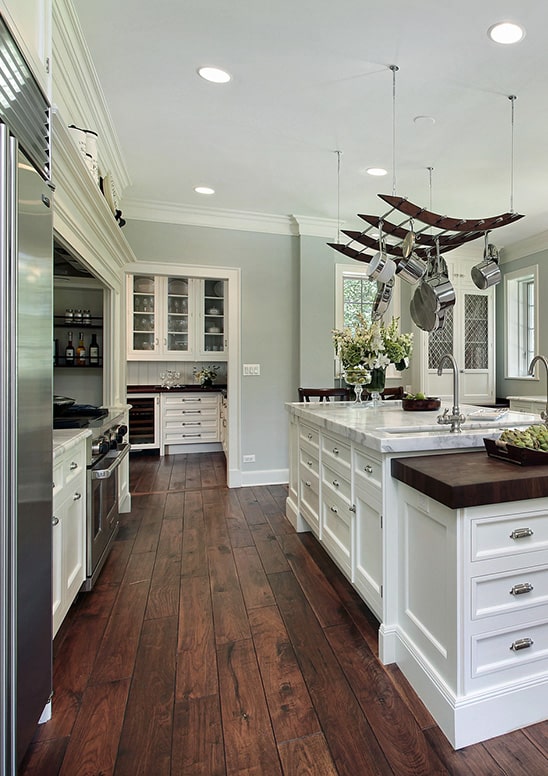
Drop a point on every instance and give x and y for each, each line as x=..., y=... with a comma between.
x=420, y=402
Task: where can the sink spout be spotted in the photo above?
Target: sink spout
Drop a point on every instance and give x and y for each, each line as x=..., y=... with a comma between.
x=531, y=372
x=455, y=418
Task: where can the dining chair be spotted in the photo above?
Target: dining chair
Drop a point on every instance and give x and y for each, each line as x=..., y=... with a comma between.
x=325, y=394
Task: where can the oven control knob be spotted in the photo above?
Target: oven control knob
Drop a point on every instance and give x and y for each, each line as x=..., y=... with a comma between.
x=100, y=446
x=122, y=431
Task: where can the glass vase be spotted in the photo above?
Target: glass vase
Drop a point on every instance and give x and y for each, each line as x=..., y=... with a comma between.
x=357, y=378
x=376, y=386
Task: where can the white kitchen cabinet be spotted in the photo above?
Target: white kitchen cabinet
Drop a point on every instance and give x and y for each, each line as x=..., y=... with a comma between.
x=189, y=418
x=368, y=528
x=336, y=500
x=30, y=22
x=68, y=529
x=533, y=404
x=175, y=318
x=469, y=335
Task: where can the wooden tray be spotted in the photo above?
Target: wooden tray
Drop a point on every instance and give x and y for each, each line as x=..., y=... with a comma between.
x=430, y=403
x=523, y=456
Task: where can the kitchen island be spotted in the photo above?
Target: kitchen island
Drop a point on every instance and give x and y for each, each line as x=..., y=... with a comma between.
x=404, y=553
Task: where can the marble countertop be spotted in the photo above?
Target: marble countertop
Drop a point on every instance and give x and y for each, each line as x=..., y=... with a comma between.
x=66, y=438
x=389, y=429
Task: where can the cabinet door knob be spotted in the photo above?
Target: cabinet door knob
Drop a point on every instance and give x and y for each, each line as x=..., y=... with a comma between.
x=336, y=483
x=334, y=509
x=335, y=451
x=521, y=533
x=54, y=520
x=307, y=483
x=368, y=469
x=309, y=463
x=77, y=496
x=352, y=508
x=73, y=466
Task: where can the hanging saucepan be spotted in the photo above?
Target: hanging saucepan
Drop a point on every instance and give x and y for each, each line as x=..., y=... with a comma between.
x=382, y=299
x=381, y=267
x=437, y=291
x=411, y=269
x=487, y=273
x=423, y=316
x=408, y=242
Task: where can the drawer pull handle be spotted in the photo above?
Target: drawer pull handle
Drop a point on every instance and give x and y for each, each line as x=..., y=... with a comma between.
x=521, y=533
x=336, y=483
x=191, y=423
x=77, y=496
x=307, y=483
x=521, y=588
x=334, y=509
x=335, y=451
x=309, y=436
x=521, y=644
x=73, y=466
x=368, y=469
x=309, y=463
x=192, y=412
x=55, y=520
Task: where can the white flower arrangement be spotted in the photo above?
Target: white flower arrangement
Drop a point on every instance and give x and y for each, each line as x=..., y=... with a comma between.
x=370, y=346
x=206, y=374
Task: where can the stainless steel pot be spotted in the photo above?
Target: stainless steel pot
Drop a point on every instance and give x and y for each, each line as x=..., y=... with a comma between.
x=411, y=269
x=437, y=293
x=423, y=316
x=382, y=299
x=487, y=273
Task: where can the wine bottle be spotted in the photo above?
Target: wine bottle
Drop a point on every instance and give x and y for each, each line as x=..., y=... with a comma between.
x=69, y=351
x=81, y=351
x=94, y=350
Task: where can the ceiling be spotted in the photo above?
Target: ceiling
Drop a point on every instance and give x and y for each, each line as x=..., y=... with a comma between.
x=313, y=77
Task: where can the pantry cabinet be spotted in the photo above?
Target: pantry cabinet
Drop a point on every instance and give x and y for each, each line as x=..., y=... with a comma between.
x=468, y=334
x=175, y=318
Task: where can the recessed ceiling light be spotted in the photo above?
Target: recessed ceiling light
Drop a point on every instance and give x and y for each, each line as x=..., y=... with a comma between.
x=506, y=32
x=378, y=171
x=204, y=190
x=425, y=120
x=214, y=74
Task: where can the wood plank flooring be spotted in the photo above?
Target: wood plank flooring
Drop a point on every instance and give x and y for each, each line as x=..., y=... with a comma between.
x=218, y=642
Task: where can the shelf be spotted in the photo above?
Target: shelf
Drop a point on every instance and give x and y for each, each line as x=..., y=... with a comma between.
x=59, y=322
x=61, y=363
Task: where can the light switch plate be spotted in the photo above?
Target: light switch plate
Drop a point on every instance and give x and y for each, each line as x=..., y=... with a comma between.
x=252, y=370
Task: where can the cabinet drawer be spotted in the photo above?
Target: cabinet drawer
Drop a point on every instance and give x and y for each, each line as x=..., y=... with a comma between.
x=309, y=435
x=336, y=453
x=58, y=480
x=308, y=462
x=509, y=535
x=188, y=414
x=499, y=651
x=310, y=499
x=182, y=401
x=336, y=484
x=189, y=435
x=509, y=592
x=368, y=470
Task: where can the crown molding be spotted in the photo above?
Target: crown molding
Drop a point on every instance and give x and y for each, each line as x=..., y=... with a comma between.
x=78, y=93
x=527, y=247
x=309, y=226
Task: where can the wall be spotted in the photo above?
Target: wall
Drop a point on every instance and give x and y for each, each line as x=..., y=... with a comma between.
x=269, y=322
x=525, y=386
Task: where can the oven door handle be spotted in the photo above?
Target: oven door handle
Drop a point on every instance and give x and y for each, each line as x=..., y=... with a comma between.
x=104, y=474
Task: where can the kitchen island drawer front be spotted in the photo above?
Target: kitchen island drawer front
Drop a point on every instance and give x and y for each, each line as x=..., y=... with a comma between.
x=309, y=435
x=336, y=453
x=509, y=534
x=334, y=483
x=504, y=593
x=512, y=652
x=308, y=462
x=190, y=401
x=336, y=530
x=174, y=425
x=368, y=470
x=310, y=500
x=188, y=414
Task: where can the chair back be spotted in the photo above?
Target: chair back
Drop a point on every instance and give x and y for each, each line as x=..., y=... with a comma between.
x=325, y=394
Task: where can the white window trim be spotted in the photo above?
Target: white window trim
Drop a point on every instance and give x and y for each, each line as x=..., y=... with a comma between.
x=510, y=310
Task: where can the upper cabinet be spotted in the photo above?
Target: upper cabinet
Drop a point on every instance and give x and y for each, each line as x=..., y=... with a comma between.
x=30, y=23
x=173, y=318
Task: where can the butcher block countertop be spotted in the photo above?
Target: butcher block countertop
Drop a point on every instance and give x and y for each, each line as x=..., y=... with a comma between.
x=471, y=479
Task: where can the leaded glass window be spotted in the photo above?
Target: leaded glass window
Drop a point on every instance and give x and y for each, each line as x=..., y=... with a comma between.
x=440, y=341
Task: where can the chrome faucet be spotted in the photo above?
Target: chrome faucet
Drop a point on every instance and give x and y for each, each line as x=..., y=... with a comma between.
x=455, y=418
x=531, y=372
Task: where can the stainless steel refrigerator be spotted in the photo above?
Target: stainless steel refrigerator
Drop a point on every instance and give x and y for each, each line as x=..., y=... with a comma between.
x=25, y=404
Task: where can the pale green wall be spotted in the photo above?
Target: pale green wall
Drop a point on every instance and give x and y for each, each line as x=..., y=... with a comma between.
x=525, y=387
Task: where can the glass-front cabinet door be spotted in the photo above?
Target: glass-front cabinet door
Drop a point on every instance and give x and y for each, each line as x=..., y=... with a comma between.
x=143, y=318
x=212, y=337
x=178, y=316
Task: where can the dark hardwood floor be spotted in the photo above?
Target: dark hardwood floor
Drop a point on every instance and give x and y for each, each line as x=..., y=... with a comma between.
x=218, y=641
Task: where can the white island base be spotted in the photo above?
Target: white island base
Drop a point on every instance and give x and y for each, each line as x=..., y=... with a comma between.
x=438, y=579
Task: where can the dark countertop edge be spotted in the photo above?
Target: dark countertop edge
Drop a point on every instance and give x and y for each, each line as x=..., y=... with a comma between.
x=217, y=388
x=531, y=482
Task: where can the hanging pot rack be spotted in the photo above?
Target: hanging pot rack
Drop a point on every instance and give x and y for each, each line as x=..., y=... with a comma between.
x=463, y=230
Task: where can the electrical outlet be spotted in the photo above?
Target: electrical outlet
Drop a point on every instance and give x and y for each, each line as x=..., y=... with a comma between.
x=249, y=458
x=251, y=369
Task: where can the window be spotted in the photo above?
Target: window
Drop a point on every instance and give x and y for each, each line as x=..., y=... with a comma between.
x=355, y=293
x=521, y=288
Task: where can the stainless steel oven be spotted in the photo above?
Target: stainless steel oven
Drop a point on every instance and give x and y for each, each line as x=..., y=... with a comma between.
x=102, y=509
